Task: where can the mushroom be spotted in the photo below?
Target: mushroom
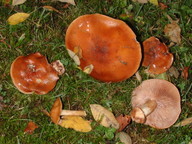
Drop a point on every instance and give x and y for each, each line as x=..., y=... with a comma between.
x=103, y=47
x=156, y=56
x=33, y=74
x=156, y=102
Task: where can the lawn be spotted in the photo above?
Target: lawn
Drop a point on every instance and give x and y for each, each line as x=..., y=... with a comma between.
x=44, y=31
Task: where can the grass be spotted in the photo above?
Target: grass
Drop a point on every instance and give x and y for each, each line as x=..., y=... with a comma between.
x=44, y=32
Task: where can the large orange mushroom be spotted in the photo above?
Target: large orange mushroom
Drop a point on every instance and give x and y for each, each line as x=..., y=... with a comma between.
x=33, y=73
x=103, y=47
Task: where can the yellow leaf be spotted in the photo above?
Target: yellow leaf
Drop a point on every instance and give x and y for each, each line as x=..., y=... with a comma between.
x=74, y=56
x=104, y=116
x=76, y=122
x=88, y=69
x=17, y=18
x=155, y=2
x=184, y=122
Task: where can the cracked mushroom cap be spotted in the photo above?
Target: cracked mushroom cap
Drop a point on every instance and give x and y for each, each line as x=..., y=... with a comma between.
x=167, y=98
x=103, y=47
x=156, y=56
x=33, y=73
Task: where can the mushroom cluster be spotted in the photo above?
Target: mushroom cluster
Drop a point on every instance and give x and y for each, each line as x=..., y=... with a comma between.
x=103, y=47
x=33, y=73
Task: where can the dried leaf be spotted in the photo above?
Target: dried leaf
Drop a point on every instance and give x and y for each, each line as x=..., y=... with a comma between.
x=18, y=2
x=123, y=121
x=155, y=2
x=73, y=113
x=68, y=1
x=141, y=1
x=163, y=6
x=76, y=122
x=31, y=126
x=17, y=18
x=173, y=31
x=124, y=138
x=185, y=73
x=50, y=8
x=56, y=111
x=104, y=116
x=88, y=69
x=174, y=72
x=74, y=56
x=138, y=76
x=184, y=122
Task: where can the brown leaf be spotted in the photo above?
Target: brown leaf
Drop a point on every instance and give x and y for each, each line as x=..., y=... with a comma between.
x=50, y=8
x=174, y=72
x=173, y=31
x=31, y=126
x=184, y=122
x=185, y=73
x=123, y=121
x=56, y=111
x=162, y=6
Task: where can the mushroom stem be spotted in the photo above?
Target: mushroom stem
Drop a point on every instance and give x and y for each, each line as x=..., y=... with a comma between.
x=139, y=114
x=72, y=112
x=58, y=66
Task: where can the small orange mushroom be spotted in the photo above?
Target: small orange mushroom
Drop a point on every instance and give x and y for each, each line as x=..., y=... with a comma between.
x=156, y=56
x=103, y=47
x=33, y=73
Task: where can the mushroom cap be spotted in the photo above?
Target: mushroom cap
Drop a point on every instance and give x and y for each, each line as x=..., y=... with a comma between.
x=156, y=56
x=107, y=45
x=167, y=98
x=33, y=73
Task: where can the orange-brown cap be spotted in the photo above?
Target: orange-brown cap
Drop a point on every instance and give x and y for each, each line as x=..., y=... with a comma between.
x=104, y=47
x=33, y=73
x=156, y=56
x=167, y=98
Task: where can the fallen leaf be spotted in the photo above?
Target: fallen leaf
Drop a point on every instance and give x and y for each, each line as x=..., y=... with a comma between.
x=17, y=18
x=138, y=76
x=174, y=72
x=185, y=73
x=76, y=122
x=124, y=138
x=31, y=126
x=123, y=121
x=50, y=8
x=78, y=51
x=184, y=122
x=56, y=111
x=173, y=31
x=162, y=6
x=88, y=69
x=155, y=2
x=74, y=56
x=72, y=113
x=18, y=2
x=104, y=116
x=68, y=1
x=141, y=1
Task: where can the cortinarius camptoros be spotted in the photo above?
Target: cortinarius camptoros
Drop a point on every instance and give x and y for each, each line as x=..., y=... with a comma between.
x=103, y=47
x=157, y=57
x=156, y=102
x=33, y=73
